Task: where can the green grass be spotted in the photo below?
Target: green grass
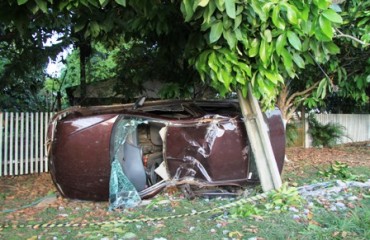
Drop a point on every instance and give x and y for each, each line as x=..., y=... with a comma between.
x=358, y=170
x=307, y=175
x=324, y=224
x=353, y=224
x=320, y=223
x=310, y=174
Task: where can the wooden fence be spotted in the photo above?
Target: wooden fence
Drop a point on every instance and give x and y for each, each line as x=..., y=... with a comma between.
x=22, y=143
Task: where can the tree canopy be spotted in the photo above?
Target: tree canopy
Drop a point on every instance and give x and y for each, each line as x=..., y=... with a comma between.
x=227, y=44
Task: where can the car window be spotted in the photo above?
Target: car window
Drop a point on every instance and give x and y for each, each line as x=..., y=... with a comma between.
x=219, y=108
x=171, y=110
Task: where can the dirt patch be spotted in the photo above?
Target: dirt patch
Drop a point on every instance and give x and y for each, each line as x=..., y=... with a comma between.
x=354, y=154
x=27, y=198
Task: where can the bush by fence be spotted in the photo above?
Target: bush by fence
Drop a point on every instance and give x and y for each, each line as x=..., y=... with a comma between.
x=356, y=127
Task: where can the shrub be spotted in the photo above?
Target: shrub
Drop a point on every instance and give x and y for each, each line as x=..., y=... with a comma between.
x=325, y=135
x=291, y=133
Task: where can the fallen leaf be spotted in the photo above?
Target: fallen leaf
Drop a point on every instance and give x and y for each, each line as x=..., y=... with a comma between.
x=252, y=230
x=257, y=217
x=160, y=225
x=236, y=235
x=117, y=230
x=313, y=222
x=32, y=238
x=335, y=234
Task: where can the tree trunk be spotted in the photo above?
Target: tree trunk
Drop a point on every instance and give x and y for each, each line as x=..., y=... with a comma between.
x=85, y=51
x=82, y=77
x=282, y=104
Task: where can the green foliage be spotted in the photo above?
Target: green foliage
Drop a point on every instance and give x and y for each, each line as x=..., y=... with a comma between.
x=229, y=43
x=356, y=20
x=21, y=81
x=283, y=198
x=316, y=98
x=23, y=54
x=349, y=70
x=71, y=72
x=342, y=69
x=291, y=133
x=141, y=62
x=173, y=90
x=102, y=64
x=279, y=200
x=338, y=170
x=325, y=135
x=352, y=71
x=245, y=210
x=3, y=196
x=275, y=41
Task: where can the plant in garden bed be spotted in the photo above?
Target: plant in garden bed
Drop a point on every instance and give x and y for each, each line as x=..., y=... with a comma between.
x=324, y=135
x=283, y=198
x=245, y=210
x=279, y=200
x=341, y=171
x=291, y=133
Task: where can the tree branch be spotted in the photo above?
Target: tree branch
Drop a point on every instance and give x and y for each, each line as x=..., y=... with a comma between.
x=290, y=113
x=290, y=99
x=351, y=37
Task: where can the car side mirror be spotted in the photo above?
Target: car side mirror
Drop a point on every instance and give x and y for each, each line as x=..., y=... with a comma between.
x=139, y=102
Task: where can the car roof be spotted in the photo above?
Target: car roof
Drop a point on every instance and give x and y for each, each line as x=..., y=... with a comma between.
x=150, y=106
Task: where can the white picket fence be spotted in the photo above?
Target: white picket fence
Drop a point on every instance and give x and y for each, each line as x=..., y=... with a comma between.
x=22, y=143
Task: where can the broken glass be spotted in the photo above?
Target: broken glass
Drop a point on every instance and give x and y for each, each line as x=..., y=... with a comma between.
x=122, y=192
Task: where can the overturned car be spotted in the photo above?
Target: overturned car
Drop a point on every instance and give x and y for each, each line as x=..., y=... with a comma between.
x=132, y=151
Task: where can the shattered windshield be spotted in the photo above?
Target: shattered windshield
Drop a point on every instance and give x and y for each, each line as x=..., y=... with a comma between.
x=122, y=193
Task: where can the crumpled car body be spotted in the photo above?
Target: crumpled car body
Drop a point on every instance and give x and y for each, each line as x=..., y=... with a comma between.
x=200, y=143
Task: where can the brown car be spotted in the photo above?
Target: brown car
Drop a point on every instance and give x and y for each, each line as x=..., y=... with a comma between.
x=100, y=153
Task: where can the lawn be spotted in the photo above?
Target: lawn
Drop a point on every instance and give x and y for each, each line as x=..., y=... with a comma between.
x=340, y=211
